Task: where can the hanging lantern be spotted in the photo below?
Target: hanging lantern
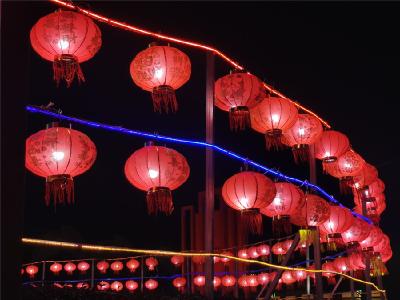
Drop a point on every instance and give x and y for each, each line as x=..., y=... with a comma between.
x=67, y=39
x=387, y=254
x=103, y=286
x=131, y=285
x=179, y=283
x=263, y=278
x=59, y=154
x=367, y=176
x=316, y=210
x=288, y=278
x=161, y=70
x=151, y=263
x=56, y=268
x=356, y=260
x=374, y=209
x=263, y=250
x=199, y=280
x=242, y=281
x=132, y=264
x=373, y=238
x=383, y=244
x=242, y=253
x=226, y=259
x=358, y=231
x=83, y=266
x=279, y=250
x=271, y=117
x=117, y=266
x=117, y=286
x=69, y=267
x=198, y=259
x=216, y=259
x=252, y=280
x=305, y=131
x=340, y=219
x=157, y=170
x=376, y=187
x=299, y=275
x=82, y=286
x=288, y=199
x=236, y=93
x=340, y=265
x=329, y=267
x=102, y=266
x=249, y=192
x=177, y=260
x=252, y=252
x=228, y=280
x=216, y=282
x=330, y=146
x=151, y=284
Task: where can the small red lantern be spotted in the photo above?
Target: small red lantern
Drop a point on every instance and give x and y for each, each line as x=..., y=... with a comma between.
x=117, y=266
x=117, y=286
x=67, y=39
x=131, y=285
x=102, y=266
x=216, y=259
x=177, y=260
x=226, y=259
x=242, y=253
x=263, y=278
x=59, y=154
x=252, y=280
x=216, y=282
x=151, y=263
x=228, y=280
x=132, y=264
x=199, y=280
x=252, y=252
x=161, y=70
x=237, y=93
x=56, y=268
x=249, y=192
x=341, y=265
x=288, y=278
x=179, y=283
x=279, y=249
x=305, y=131
x=151, y=284
x=103, y=286
x=331, y=145
x=299, y=275
x=83, y=266
x=69, y=267
x=198, y=259
x=242, y=281
x=82, y=286
x=157, y=170
x=31, y=270
x=263, y=250
x=358, y=231
x=288, y=199
x=271, y=117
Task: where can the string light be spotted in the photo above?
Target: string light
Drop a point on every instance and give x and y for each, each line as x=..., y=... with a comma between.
x=123, y=130
x=192, y=254
x=222, y=55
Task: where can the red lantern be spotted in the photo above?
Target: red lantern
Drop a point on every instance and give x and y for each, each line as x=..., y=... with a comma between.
x=179, y=283
x=177, y=260
x=263, y=250
x=299, y=275
x=252, y=280
x=67, y=39
x=383, y=244
x=228, y=280
x=82, y=286
x=367, y=176
x=278, y=249
x=226, y=259
x=237, y=93
x=329, y=267
x=151, y=284
x=117, y=266
x=376, y=187
x=375, y=206
x=242, y=253
x=199, y=280
x=198, y=259
x=59, y=154
x=157, y=170
x=131, y=285
x=356, y=261
x=69, y=267
x=252, y=252
x=263, y=278
x=271, y=117
x=288, y=278
x=216, y=282
x=83, y=266
x=316, y=210
x=161, y=70
x=331, y=145
x=117, y=286
x=103, y=286
x=386, y=254
x=132, y=264
x=56, y=268
x=249, y=192
x=31, y=270
x=341, y=265
x=102, y=266
x=340, y=219
x=216, y=259
x=151, y=263
x=288, y=199
x=373, y=238
x=358, y=231
x=242, y=281
x=305, y=131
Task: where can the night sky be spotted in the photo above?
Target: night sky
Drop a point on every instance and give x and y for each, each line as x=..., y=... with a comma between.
x=339, y=59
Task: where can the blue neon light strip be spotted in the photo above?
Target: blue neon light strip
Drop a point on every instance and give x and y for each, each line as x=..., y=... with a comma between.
x=195, y=143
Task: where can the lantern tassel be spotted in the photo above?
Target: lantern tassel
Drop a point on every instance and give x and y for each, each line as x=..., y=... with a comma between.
x=60, y=188
x=345, y=185
x=159, y=199
x=239, y=118
x=281, y=226
x=252, y=220
x=306, y=236
x=378, y=266
x=66, y=67
x=164, y=99
x=300, y=153
x=335, y=242
x=273, y=139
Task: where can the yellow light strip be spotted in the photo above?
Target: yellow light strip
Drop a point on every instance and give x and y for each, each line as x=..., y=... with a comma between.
x=171, y=253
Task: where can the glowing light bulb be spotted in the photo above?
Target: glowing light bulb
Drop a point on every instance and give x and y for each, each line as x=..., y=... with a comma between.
x=159, y=73
x=58, y=155
x=153, y=173
x=244, y=201
x=277, y=201
x=331, y=224
x=301, y=131
x=348, y=235
x=327, y=153
x=63, y=44
x=275, y=118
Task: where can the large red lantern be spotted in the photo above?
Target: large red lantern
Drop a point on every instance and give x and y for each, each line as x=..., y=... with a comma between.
x=228, y=280
x=288, y=199
x=179, y=283
x=102, y=266
x=358, y=231
x=305, y=131
x=331, y=145
x=59, y=154
x=151, y=284
x=117, y=266
x=237, y=93
x=161, y=70
x=271, y=117
x=366, y=177
x=132, y=264
x=383, y=244
x=67, y=39
x=151, y=263
x=340, y=264
x=340, y=219
x=376, y=187
x=373, y=238
x=56, y=268
x=329, y=268
x=315, y=211
x=69, y=267
x=131, y=285
x=157, y=170
x=83, y=266
x=387, y=254
x=117, y=286
x=249, y=192
x=279, y=249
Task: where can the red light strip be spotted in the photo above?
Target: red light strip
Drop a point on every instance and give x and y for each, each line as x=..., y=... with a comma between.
x=180, y=41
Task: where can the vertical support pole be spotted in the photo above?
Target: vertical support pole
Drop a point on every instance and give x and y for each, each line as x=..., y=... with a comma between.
x=352, y=285
x=236, y=291
x=380, y=285
x=209, y=180
x=92, y=276
x=43, y=272
x=307, y=265
x=367, y=253
x=141, y=274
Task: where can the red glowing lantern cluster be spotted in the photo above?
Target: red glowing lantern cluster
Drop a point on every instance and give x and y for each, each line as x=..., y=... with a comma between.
x=249, y=192
x=151, y=263
x=157, y=170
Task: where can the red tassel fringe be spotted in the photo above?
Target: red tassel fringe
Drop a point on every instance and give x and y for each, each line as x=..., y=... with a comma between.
x=159, y=199
x=164, y=99
x=252, y=220
x=345, y=185
x=335, y=242
x=239, y=118
x=59, y=188
x=281, y=226
x=66, y=67
x=300, y=153
x=273, y=139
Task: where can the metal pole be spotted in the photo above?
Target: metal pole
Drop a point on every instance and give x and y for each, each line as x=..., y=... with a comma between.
x=209, y=180
x=236, y=291
x=352, y=285
x=141, y=274
x=43, y=272
x=367, y=271
x=380, y=285
x=336, y=286
x=92, y=276
x=307, y=265
x=313, y=180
